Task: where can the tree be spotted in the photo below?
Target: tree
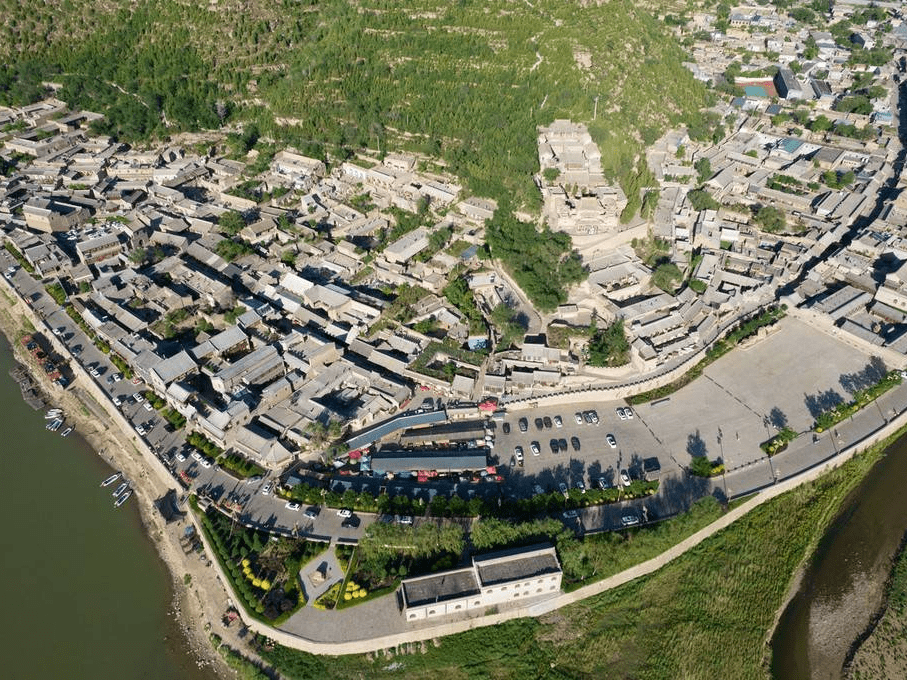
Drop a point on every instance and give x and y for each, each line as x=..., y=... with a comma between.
x=551, y=174
x=231, y=223
x=771, y=219
x=609, y=347
x=704, y=169
x=667, y=276
x=702, y=200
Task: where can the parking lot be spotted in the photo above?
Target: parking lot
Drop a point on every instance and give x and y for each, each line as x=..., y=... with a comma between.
x=595, y=458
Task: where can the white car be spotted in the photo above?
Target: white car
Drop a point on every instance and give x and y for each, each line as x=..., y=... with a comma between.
x=196, y=455
x=117, y=377
x=518, y=452
x=624, y=478
x=343, y=512
x=579, y=418
x=138, y=397
x=620, y=413
x=117, y=401
x=406, y=520
x=266, y=489
x=205, y=463
x=629, y=413
x=293, y=506
x=612, y=442
x=95, y=373
x=59, y=331
x=558, y=422
x=180, y=457
x=148, y=406
x=140, y=429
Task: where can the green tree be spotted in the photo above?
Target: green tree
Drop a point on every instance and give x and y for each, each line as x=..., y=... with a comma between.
x=703, y=167
x=231, y=223
x=609, y=347
x=771, y=219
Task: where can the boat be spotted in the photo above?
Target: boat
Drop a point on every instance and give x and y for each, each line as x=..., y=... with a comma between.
x=67, y=432
x=122, y=499
x=53, y=414
x=110, y=480
x=121, y=488
x=55, y=425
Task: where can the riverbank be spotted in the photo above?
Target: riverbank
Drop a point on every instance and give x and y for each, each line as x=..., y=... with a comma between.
x=190, y=605
x=882, y=654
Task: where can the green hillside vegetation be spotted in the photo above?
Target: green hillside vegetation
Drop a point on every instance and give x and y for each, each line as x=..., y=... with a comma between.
x=464, y=80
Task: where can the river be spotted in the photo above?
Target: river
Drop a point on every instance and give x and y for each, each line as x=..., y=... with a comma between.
x=843, y=585
x=84, y=593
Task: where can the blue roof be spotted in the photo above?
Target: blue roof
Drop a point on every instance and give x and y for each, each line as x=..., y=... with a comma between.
x=755, y=91
x=400, y=422
x=790, y=144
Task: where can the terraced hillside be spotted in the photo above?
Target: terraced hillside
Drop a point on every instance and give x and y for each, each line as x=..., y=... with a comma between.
x=468, y=80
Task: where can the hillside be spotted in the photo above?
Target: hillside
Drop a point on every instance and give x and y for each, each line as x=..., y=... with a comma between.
x=466, y=80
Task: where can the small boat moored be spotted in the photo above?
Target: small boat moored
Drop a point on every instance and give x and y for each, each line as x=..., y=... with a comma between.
x=66, y=432
x=121, y=488
x=122, y=499
x=55, y=425
x=53, y=414
x=110, y=480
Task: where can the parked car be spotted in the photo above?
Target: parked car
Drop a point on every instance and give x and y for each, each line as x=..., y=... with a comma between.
x=506, y=428
x=603, y=483
x=562, y=444
x=553, y=445
x=406, y=520
x=629, y=520
x=343, y=512
x=138, y=397
x=612, y=442
x=587, y=416
x=628, y=412
x=570, y=514
x=266, y=489
x=534, y=447
x=524, y=425
x=293, y=506
x=558, y=422
x=580, y=486
x=563, y=489
x=180, y=457
x=579, y=418
x=620, y=413
x=574, y=442
x=547, y=421
x=624, y=478
x=539, y=424
x=518, y=452
x=148, y=406
x=312, y=512
x=537, y=490
x=117, y=401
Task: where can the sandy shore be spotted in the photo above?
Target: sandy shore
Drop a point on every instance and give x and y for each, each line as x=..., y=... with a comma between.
x=200, y=600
